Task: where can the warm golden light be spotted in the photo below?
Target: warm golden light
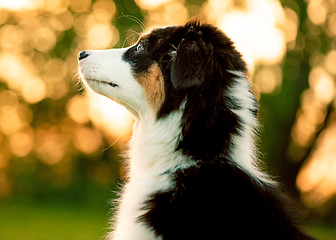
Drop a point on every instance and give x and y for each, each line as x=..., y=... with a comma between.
x=268, y=79
x=317, y=12
x=21, y=143
x=175, y=13
x=9, y=98
x=50, y=144
x=104, y=10
x=44, y=118
x=80, y=5
x=308, y=118
x=109, y=116
x=87, y=140
x=330, y=61
x=17, y=4
x=102, y=36
x=290, y=26
x=332, y=25
x=150, y=4
x=77, y=109
x=3, y=161
x=322, y=84
x=13, y=69
x=304, y=128
x=44, y=39
x=317, y=180
x=10, y=120
x=34, y=90
x=171, y=13
x=55, y=69
x=255, y=31
x=11, y=36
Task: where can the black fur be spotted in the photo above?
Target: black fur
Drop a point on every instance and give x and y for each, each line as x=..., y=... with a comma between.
x=217, y=200
x=193, y=62
x=214, y=199
x=207, y=115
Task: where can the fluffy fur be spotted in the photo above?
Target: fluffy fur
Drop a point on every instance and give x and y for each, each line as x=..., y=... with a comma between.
x=193, y=171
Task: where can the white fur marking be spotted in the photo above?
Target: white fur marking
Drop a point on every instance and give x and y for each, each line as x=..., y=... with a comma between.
x=107, y=66
x=243, y=150
x=152, y=153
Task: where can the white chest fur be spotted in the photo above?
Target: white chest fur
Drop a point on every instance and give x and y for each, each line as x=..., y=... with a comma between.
x=152, y=153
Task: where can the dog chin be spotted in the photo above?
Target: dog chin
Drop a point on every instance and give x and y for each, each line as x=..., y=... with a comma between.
x=100, y=87
x=106, y=73
x=109, y=90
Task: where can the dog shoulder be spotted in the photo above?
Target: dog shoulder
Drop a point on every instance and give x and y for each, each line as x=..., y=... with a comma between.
x=210, y=201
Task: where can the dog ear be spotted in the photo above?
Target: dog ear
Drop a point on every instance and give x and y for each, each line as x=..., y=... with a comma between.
x=193, y=61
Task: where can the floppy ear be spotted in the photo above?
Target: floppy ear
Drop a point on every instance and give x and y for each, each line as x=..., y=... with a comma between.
x=193, y=61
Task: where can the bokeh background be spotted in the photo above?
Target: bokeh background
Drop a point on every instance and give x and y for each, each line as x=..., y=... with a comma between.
x=60, y=146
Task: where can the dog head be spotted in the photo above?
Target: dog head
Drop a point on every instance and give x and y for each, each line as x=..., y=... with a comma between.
x=189, y=68
x=157, y=73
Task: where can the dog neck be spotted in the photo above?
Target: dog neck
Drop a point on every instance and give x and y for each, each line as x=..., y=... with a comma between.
x=153, y=145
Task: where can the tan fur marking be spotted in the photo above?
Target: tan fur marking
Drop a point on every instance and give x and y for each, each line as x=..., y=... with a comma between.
x=153, y=86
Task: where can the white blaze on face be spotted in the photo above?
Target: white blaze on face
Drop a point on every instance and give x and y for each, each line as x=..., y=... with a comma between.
x=105, y=72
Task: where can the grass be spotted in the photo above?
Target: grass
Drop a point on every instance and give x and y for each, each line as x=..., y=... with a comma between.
x=322, y=231
x=20, y=221
x=34, y=222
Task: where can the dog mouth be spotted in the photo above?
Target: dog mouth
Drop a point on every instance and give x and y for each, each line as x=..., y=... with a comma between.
x=103, y=82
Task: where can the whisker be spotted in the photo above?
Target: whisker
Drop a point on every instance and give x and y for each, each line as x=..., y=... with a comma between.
x=132, y=35
x=133, y=39
x=115, y=141
x=135, y=19
x=134, y=32
x=79, y=83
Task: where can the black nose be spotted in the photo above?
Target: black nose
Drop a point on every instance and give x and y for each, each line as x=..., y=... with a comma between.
x=82, y=55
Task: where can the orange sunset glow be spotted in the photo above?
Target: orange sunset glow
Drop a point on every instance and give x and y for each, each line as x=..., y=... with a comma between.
x=45, y=117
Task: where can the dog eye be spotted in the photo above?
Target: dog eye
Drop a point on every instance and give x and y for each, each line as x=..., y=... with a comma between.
x=139, y=47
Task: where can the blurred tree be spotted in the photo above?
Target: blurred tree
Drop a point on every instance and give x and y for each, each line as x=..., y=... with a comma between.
x=280, y=111
x=55, y=138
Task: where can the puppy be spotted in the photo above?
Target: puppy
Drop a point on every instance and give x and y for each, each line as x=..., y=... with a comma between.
x=193, y=173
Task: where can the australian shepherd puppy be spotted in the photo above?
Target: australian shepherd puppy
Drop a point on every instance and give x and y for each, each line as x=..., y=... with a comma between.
x=193, y=172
